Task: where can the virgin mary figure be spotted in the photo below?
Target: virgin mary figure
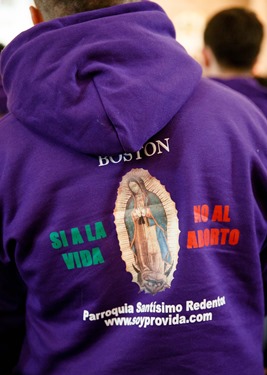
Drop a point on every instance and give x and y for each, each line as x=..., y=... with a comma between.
x=146, y=224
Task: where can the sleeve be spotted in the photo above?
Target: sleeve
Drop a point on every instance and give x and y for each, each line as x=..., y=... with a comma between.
x=12, y=317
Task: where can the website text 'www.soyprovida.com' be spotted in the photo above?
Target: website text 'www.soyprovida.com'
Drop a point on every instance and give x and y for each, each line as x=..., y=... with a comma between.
x=148, y=321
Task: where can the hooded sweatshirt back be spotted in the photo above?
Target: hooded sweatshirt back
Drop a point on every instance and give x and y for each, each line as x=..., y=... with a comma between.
x=133, y=205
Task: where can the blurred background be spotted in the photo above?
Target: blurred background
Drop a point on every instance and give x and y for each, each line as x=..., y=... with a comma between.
x=188, y=16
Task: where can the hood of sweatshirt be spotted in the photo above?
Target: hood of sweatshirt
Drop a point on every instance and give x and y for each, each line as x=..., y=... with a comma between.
x=100, y=82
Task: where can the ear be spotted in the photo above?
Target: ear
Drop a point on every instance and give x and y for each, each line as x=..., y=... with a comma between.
x=207, y=56
x=36, y=15
x=255, y=68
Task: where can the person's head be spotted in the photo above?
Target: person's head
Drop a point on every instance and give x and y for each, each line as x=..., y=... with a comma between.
x=136, y=185
x=232, y=41
x=49, y=9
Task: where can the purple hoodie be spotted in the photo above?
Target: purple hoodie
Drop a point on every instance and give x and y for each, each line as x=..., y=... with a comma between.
x=3, y=100
x=249, y=87
x=133, y=205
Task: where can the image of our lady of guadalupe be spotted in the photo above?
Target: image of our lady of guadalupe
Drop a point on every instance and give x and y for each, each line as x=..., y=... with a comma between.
x=146, y=223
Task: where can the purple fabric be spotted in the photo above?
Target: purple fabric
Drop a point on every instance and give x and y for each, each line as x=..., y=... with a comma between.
x=250, y=88
x=98, y=80
x=115, y=82
x=3, y=100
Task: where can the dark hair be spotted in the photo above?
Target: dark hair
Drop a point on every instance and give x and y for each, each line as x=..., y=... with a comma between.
x=60, y=8
x=235, y=36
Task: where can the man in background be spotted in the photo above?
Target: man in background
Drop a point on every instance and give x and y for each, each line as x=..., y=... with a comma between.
x=133, y=211
x=232, y=43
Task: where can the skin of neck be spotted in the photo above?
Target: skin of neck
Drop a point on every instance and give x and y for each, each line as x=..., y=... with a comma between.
x=212, y=68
